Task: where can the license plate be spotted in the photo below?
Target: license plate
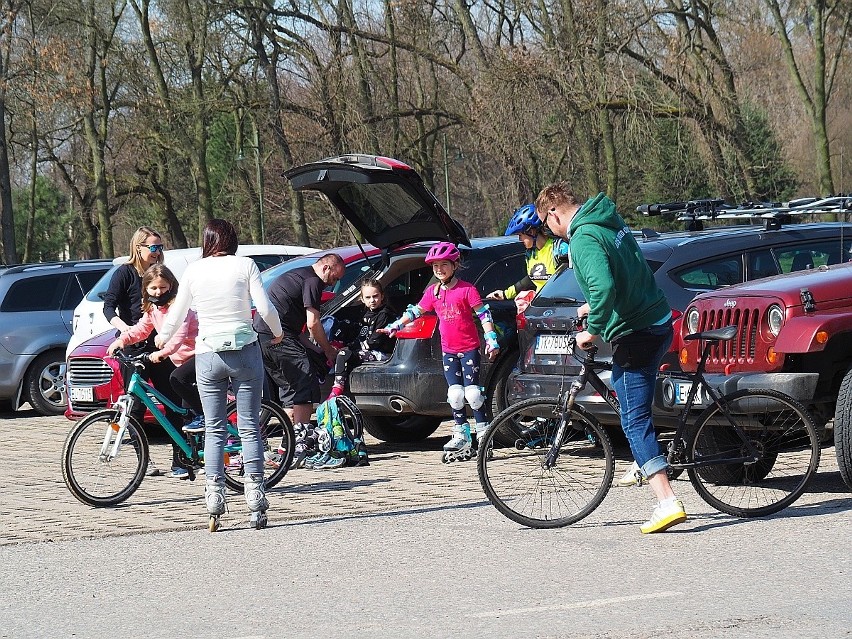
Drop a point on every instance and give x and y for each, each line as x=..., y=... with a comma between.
x=84, y=394
x=682, y=391
x=552, y=345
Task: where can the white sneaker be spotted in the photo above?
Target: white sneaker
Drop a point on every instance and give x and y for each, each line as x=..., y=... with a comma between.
x=632, y=477
x=151, y=470
x=664, y=517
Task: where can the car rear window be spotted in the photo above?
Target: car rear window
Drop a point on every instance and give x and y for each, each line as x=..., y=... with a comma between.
x=382, y=206
x=562, y=287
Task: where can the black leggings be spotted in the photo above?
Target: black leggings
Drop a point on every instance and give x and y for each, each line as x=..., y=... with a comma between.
x=183, y=381
x=158, y=374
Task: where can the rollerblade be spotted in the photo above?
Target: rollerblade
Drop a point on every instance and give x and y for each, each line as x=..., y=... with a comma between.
x=255, y=492
x=214, y=496
x=481, y=430
x=305, y=442
x=459, y=447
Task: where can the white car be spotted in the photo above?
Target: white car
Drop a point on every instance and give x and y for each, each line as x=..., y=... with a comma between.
x=89, y=319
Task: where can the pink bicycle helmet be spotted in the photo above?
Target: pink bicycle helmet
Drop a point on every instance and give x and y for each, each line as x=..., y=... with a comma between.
x=443, y=251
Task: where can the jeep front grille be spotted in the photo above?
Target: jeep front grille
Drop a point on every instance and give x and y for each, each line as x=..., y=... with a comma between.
x=88, y=371
x=740, y=349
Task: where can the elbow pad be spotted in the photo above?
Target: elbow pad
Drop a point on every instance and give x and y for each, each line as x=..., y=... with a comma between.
x=412, y=312
x=484, y=314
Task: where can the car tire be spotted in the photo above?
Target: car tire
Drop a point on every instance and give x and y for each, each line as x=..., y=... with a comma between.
x=402, y=429
x=498, y=392
x=843, y=429
x=44, y=383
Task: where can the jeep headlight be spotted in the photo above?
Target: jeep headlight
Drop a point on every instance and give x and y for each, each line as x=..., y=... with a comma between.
x=692, y=317
x=775, y=317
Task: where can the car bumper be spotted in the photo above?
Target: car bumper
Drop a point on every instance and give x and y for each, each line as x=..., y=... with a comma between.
x=527, y=385
x=799, y=386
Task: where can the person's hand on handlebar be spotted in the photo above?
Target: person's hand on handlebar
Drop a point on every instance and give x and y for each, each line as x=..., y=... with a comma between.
x=585, y=340
x=583, y=311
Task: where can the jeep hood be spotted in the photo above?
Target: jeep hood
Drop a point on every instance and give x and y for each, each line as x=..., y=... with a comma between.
x=383, y=198
x=825, y=284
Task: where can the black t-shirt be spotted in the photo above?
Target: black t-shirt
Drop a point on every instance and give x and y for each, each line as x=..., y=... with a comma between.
x=124, y=295
x=291, y=293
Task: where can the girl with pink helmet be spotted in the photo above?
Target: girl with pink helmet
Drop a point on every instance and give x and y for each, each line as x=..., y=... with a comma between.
x=456, y=302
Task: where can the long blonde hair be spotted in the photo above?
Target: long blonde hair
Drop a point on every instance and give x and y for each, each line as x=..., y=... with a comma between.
x=136, y=242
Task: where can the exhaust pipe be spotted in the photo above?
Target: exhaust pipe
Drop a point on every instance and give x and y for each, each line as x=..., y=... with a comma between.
x=399, y=405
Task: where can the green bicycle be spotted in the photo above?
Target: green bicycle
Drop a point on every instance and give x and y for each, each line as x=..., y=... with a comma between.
x=106, y=453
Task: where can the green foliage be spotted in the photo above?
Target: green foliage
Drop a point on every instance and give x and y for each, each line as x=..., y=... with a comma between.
x=663, y=166
x=52, y=237
x=773, y=177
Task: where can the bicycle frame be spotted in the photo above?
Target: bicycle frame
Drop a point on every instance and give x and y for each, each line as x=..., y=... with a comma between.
x=588, y=375
x=138, y=388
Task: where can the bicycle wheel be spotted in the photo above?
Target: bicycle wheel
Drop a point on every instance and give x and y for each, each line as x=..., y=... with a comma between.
x=91, y=477
x=516, y=480
x=276, y=433
x=783, y=433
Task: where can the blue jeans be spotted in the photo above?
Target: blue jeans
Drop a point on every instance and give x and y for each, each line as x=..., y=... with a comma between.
x=635, y=390
x=241, y=370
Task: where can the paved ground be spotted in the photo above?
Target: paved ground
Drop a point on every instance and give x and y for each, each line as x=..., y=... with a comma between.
x=36, y=506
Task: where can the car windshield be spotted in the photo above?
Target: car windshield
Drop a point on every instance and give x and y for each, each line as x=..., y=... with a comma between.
x=100, y=287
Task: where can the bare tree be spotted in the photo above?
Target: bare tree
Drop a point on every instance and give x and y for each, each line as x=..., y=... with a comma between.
x=826, y=25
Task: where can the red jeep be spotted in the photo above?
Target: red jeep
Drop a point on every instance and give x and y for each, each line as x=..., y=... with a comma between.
x=795, y=335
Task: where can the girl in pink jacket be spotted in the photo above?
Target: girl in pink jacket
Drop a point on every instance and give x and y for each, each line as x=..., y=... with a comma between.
x=175, y=361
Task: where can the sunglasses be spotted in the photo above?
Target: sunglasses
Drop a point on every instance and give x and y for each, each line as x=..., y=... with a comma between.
x=153, y=247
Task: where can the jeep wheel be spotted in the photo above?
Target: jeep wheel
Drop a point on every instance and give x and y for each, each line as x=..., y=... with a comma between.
x=44, y=383
x=402, y=429
x=843, y=429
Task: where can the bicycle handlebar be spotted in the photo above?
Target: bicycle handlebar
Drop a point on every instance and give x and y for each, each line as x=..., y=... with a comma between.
x=140, y=359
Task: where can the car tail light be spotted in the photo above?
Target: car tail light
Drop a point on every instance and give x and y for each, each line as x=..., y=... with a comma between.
x=521, y=321
x=421, y=328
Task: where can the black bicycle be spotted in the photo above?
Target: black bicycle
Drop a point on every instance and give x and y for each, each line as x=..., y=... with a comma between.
x=748, y=453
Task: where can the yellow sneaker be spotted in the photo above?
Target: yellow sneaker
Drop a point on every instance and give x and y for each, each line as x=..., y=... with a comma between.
x=664, y=517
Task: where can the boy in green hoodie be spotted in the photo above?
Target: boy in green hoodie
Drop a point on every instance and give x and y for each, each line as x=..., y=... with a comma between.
x=623, y=306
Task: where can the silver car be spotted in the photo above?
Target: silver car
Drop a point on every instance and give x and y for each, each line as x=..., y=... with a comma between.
x=36, y=306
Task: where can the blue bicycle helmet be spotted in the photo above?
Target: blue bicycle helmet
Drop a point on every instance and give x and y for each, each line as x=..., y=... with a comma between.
x=524, y=220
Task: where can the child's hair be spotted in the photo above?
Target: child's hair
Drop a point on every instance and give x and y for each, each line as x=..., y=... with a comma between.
x=371, y=281
x=153, y=272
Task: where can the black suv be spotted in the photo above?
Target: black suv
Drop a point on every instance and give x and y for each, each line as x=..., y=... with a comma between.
x=36, y=307
x=405, y=397
x=684, y=264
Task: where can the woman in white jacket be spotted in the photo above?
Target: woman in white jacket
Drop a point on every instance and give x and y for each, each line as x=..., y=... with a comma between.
x=221, y=287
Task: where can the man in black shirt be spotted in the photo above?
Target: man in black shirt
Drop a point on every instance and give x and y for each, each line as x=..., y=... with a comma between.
x=297, y=296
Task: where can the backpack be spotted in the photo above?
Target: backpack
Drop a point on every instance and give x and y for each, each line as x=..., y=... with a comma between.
x=340, y=430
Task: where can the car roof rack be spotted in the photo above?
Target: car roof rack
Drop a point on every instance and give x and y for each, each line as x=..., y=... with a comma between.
x=773, y=214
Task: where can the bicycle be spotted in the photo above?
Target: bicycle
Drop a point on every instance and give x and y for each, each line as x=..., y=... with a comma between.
x=749, y=453
x=106, y=453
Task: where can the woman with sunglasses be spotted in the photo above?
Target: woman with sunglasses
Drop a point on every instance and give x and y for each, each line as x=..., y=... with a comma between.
x=123, y=309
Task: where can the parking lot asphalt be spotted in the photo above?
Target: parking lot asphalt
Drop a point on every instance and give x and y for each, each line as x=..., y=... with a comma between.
x=36, y=506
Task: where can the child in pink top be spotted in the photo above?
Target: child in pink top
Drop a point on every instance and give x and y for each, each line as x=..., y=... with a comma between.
x=177, y=356
x=455, y=302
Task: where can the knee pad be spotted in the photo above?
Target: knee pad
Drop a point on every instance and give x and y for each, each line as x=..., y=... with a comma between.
x=474, y=397
x=455, y=396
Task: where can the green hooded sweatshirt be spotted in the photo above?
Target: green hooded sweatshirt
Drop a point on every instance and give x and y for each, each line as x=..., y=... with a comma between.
x=612, y=272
